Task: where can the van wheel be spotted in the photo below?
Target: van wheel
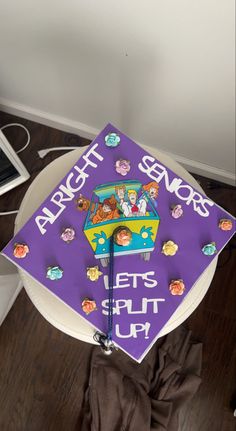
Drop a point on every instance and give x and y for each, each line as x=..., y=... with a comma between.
x=104, y=261
x=146, y=256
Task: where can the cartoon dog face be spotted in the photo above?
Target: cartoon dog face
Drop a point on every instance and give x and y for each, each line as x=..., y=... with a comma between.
x=82, y=204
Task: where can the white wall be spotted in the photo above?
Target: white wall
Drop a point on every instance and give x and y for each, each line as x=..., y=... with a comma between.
x=161, y=70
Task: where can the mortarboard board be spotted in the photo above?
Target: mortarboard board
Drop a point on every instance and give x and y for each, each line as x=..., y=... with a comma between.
x=121, y=217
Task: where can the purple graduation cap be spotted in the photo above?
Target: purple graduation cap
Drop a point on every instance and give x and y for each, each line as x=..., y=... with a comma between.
x=121, y=240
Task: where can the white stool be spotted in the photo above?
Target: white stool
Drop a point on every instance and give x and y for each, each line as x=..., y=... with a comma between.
x=50, y=306
x=10, y=286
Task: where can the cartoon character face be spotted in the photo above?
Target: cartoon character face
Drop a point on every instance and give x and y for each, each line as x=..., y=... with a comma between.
x=152, y=193
x=106, y=208
x=152, y=189
x=132, y=198
x=121, y=193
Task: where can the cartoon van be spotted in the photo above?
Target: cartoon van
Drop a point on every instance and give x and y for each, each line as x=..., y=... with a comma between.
x=123, y=203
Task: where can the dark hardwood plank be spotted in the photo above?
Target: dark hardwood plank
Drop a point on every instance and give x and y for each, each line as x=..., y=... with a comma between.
x=41, y=137
x=43, y=372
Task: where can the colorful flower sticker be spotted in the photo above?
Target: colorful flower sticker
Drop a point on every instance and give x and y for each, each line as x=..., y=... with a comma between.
x=169, y=248
x=20, y=250
x=68, y=235
x=123, y=236
x=177, y=287
x=225, y=224
x=209, y=249
x=93, y=273
x=54, y=272
x=112, y=140
x=177, y=211
x=88, y=306
x=122, y=167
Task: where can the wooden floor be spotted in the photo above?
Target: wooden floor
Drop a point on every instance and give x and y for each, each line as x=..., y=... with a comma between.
x=43, y=372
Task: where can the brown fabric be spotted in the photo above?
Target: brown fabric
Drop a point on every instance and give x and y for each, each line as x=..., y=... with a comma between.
x=126, y=396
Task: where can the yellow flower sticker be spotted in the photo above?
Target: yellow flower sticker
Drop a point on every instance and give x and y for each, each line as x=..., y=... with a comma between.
x=169, y=248
x=93, y=273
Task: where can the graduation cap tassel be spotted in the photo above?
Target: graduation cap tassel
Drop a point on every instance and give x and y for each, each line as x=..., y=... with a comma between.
x=105, y=341
x=110, y=292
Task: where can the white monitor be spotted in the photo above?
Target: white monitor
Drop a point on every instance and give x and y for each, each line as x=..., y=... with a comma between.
x=12, y=170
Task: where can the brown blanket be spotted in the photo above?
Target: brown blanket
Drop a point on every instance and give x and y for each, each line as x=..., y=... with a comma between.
x=126, y=396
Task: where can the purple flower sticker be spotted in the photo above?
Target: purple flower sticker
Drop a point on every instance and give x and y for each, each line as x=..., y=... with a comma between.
x=177, y=211
x=68, y=235
x=122, y=167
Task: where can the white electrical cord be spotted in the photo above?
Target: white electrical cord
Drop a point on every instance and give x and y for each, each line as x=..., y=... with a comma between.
x=23, y=127
x=8, y=212
x=4, y=213
x=43, y=153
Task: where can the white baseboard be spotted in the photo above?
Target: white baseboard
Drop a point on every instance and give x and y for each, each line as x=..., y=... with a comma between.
x=205, y=170
x=88, y=132
x=48, y=119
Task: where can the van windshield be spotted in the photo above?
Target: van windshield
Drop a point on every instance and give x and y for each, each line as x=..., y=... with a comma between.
x=120, y=201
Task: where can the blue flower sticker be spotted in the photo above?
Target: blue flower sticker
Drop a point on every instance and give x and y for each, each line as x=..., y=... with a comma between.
x=209, y=249
x=54, y=272
x=112, y=140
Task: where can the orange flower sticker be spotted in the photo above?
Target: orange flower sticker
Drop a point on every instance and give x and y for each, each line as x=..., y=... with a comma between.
x=177, y=287
x=225, y=224
x=123, y=236
x=20, y=250
x=88, y=306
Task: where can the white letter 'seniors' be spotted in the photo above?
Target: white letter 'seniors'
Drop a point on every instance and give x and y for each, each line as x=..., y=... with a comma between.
x=183, y=191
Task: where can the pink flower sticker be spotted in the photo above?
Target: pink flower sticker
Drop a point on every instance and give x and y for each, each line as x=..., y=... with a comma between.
x=68, y=235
